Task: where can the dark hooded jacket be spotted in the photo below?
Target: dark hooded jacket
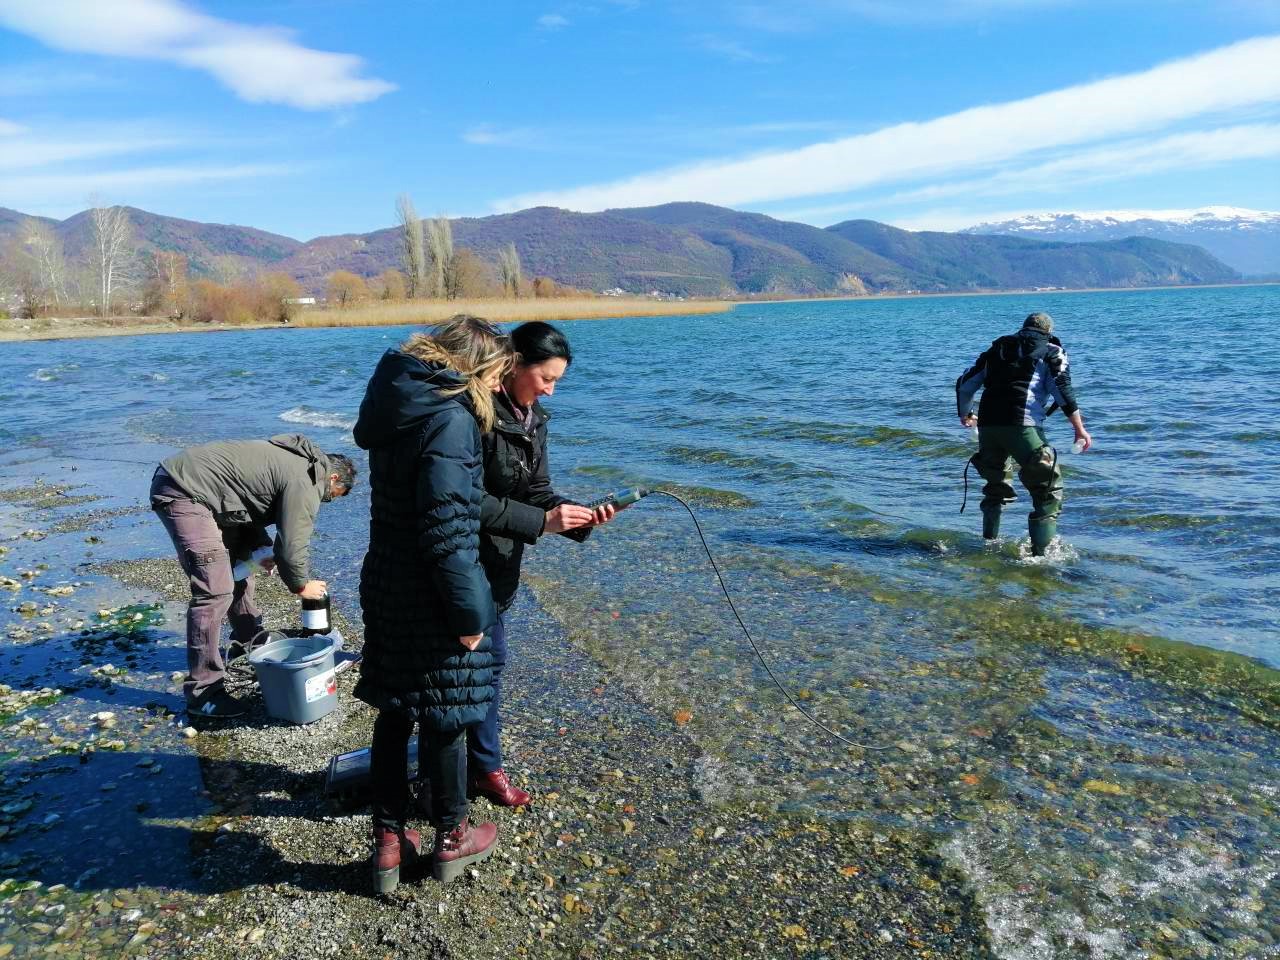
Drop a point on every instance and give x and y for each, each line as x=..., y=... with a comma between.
x=258, y=483
x=518, y=494
x=1020, y=374
x=422, y=585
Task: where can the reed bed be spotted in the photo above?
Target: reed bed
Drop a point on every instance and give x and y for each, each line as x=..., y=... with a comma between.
x=371, y=315
x=502, y=311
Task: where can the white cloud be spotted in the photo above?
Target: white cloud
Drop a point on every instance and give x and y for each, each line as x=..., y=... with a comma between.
x=42, y=188
x=260, y=64
x=27, y=152
x=488, y=135
x=732, y=50
x=1182, y=151
x=553, y=21
x=1134, y=158
x=771, y=19
x=8, y=128
x=785, y=126
x=1228, y=78
x=39, y=79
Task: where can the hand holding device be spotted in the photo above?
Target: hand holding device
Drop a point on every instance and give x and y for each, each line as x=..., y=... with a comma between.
x=566, y=516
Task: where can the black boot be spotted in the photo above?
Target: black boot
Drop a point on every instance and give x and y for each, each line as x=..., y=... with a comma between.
x=991, y=522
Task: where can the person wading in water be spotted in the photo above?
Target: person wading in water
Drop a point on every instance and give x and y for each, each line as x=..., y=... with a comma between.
x=1019, y=374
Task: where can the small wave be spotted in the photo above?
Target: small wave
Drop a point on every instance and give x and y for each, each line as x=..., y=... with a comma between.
x=762, y=466
x=1057, y=554
x=603, y=471
x=1159, y=521
x=917, y=443
x=46, y=374
x=833, y=434
x=1257, y=436
x=1128, y=428
x=697, y=495
x=318, y=418
x=1020, y=928
x=158, y=377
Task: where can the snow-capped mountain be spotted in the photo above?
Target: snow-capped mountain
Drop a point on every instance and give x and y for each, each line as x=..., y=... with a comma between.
x=1248, y=240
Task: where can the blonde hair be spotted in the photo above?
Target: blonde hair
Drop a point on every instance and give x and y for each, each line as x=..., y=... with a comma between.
x=473, y=347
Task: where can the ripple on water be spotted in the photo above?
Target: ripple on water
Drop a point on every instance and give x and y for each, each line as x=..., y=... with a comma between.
x=697, y=495
x=318, y=418
x=917, y=443
x=759, y=466
x=1049, y=766
x=51, y=374
x=1161, y=521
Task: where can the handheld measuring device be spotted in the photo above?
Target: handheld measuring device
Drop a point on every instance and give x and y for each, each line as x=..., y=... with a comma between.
x=620, y=498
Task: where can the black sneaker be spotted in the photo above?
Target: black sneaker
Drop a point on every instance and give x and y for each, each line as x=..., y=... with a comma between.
x=217, y=704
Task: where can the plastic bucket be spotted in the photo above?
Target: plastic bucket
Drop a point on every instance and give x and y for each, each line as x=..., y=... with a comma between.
x=297, y=677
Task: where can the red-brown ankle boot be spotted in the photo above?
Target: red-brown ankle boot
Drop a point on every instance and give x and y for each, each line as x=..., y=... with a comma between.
x=499, y=789
x=390, y=851
x=462, y=846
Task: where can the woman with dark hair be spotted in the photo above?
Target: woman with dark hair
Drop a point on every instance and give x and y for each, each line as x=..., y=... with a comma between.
x=519, y=507
x=429, y=616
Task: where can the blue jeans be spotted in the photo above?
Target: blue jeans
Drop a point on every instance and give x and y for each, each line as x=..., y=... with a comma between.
x=484, y=749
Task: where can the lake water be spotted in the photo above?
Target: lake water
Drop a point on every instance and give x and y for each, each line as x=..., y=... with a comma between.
x=1091, y=736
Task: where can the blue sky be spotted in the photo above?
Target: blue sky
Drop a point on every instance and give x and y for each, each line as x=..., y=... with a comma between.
x=308, y=117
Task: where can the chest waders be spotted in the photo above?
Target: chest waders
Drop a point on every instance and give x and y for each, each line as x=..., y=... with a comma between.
x=1038, y=471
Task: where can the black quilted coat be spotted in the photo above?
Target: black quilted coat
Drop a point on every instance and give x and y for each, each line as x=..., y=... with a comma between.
x=422, y=585
x=518, y=495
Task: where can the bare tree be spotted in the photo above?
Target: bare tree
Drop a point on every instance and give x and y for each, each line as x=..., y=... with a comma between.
x=45, y=250
x=444, y=274
x=111, y=252
x=20, y=279
x=167, y=289
x=345, y=287
x=509, y=270
x=277, y=296
x=390, y=284
x=472, y=276
x=411, y=246
x=229, y=269
x=8, y=286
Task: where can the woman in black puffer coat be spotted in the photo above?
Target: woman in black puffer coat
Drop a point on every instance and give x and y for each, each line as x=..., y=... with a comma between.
x=428, y=609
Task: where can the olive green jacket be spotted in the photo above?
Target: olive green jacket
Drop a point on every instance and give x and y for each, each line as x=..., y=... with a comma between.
x=281, y=481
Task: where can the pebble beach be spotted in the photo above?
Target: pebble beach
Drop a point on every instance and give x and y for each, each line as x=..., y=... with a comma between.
x=130, y=830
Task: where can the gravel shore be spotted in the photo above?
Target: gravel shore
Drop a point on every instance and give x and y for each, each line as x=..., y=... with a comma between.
x=634, y=846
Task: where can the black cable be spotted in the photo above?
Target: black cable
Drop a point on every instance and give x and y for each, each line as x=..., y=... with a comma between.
x=967, y=464
x=747, y=633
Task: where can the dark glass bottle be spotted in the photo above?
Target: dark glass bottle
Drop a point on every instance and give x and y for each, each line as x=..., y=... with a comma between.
x=315, y=615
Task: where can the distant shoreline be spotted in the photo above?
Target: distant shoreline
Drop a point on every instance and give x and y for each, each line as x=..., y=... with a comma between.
x=501, y=311
x=918, y=295
x=397, y=314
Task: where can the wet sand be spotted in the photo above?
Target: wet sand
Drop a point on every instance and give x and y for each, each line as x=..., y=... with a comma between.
x=634, y=846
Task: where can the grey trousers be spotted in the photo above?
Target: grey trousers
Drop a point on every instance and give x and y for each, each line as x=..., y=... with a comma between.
x=206, y=553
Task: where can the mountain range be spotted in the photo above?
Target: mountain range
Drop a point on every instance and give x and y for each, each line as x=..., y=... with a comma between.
x=1247, y=240
x=687, y=249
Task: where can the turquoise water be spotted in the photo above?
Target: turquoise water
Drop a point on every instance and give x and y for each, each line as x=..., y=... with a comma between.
x=1108, y=793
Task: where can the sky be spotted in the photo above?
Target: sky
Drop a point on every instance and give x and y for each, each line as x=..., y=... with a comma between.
x=309, y=117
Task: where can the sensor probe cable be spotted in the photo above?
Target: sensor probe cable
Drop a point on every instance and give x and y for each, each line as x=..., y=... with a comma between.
x=747, y=633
